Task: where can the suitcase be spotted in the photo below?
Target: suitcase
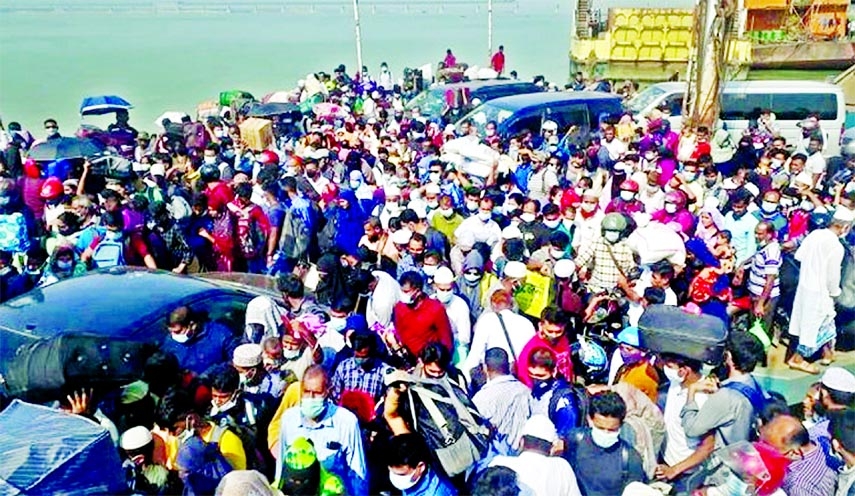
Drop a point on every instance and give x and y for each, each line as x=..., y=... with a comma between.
x=669, y=329
x=51, y=368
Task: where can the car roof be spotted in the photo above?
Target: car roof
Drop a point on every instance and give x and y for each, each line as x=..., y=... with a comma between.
x=104, y=300
x=517, y=102
x=479, y=83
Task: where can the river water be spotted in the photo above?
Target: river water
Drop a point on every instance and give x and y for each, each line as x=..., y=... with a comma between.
x=163, y=55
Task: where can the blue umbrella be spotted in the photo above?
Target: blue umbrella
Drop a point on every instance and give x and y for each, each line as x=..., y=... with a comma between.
x=104, y=104
x=60, y=148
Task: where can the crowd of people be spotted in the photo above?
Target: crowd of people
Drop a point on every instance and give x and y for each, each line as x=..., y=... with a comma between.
x=442, y=332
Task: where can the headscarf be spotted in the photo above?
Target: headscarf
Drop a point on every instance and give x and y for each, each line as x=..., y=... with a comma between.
x=244, y=483
x=349, y=227
x=332, y=284
x=472, y=291
x=717, y=219
x=383, y=299
x=264, y=311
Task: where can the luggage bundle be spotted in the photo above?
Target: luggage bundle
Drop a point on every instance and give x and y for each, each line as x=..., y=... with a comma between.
x=50, y=368
x=670, y=329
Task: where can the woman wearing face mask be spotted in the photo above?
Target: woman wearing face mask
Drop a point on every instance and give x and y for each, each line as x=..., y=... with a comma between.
x=675, y=215
x=629, y=364
x=471, y=283
x=63, y=264
x=627, y=202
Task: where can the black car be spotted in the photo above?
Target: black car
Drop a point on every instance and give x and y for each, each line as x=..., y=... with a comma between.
x=124, y=302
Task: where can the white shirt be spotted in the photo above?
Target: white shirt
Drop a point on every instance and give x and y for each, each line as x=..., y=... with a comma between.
x=616, y=148
x=458, y=315
x=678, y=447
x=486, y=232
x=635, y=309
x=815, y=164
x=543, y=475
x=488, y=334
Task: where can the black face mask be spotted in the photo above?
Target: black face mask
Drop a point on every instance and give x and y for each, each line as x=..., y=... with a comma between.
x=541, y=386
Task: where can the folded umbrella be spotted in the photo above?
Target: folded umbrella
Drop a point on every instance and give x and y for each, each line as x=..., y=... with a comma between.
x=66, y=147
x=272, y=109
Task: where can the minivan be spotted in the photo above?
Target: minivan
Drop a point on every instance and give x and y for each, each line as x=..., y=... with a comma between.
x=515, y=114
x=742, y=101
x=432, y=101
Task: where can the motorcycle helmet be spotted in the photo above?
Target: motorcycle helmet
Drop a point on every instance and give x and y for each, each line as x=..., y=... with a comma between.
x=51, y=189
x=209, y=173
x=591, y=354
x=819, y=220
x=629, y=185
x=614, y=227
x=268, y=157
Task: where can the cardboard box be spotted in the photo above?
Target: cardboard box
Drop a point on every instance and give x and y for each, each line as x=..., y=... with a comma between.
x=257, y=133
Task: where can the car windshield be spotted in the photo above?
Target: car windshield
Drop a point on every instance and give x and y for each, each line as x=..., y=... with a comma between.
x=642, y=100
x=429, y=102
x=485, y=113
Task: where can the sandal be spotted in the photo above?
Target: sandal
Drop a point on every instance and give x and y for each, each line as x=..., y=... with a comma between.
x=826, y=361
x=804, y=367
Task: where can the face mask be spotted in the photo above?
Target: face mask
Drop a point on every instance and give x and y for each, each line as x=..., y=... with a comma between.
x=556, y=254
x=484, y=216
x=289, y=354
x=311, y=174
x=649, y=156
x=734, y=486
x=406, y=298
x=690, y=176
x=710, y=183
x=402, y=482
x=336, y=324
x=490, y=132
x=471, y=206
x=63, y=265
x=673, y=375
x=551, y=224
x=653, y=188
x=472, y=277
x=446, y=212
x=229, y=154
x=567, y=223
x=776, y=163
x=434, y=177
x=355, y=184
x=604, y=439
x=807, y=205
x=769, y=207
x=391, y=206
x=5, y=201
x=429, y=270
x=627, y=195
x=589, y=207
x=180, y=338
x=539, y=387
x=312, y=408
x=224, y=407
x=210, y=160
x=219, y=133
x=186, y=434
x=670, y=208
x=433, y=204
x=611, y=236
x=527, y=217
x=579, y=191
x=113, y=235
x=552, y=168
x=364, y=362
x=443, y=295
x=631, y=356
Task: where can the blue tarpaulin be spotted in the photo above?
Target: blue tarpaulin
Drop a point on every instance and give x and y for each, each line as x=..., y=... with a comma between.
x=47, y=451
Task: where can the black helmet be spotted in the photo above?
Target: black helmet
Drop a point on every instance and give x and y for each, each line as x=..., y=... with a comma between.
x=209, y=173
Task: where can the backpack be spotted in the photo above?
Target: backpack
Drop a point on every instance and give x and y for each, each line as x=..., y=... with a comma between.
x=13, y=233
x=457, y=434
x=108, y=253
x=250, y=237
x=207, y=472
x=255, y=459
x=579, y=403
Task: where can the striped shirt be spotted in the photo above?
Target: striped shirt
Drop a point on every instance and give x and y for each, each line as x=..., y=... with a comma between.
x=506, y=403
x=766, y=262
x=810, y=476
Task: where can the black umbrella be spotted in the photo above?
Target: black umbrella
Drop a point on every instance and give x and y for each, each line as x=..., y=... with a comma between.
x=60, y=148
x=272, y=109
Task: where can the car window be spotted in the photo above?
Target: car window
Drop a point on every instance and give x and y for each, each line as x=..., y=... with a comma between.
x=229, y=310
x=674, y=103
x=530, y=121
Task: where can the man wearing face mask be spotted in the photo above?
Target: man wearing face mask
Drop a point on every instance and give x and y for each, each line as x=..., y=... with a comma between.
x=552, y=395
x=770, y=211
x=631, y=365
x=682, y=454
x=609, y=254
x=62, y=264
x=409, y=460
x=627, y=203
x=604, y=463
x=588, y=220
x=807, y=473
x=482, y=225
x=446, y=219
x=360, y=378
x=333, y=430
x=418, y=319
x=457, y=310
x=551, y=334
x=741, y=226
x=198, y=344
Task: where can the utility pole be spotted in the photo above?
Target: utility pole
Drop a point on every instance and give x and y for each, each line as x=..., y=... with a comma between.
x=358, y=36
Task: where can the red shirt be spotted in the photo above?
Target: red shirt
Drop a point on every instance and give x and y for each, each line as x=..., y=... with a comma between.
x=562, y=353
x=498, y=62
x=425, y=323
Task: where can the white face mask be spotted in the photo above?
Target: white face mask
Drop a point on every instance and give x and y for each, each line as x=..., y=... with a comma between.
x=444, y=295
x=224, y=407
x=673, y=375
x=355, y=184
x=180, y=338
x=211, y=160
x=289, y=354
x=434, y=177
x=589, y=207
x=776, y=163
x=670, y=208
x=429, y=270
x=471, y=206
x=336, y=324
x=769, y=207
x=64, y=265
x=649, y=156
x=392, y=206
x=552, y=224
x=406, y=298
x=432, y=204
x=485, y=216
x=627, y=195
x=527, y=217
x=556, y=254
x=472, y=277
x=402, y=482
x=807, y=205
x=604, y=439
x=611, y=236
x=446, y=212
x=567, y=223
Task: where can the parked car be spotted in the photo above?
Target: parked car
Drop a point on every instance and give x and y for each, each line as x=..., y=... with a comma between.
x=124, y=302
x=433, y=101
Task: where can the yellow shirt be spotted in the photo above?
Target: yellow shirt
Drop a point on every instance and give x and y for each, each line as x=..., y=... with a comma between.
x=289, y=399
x=230, y=447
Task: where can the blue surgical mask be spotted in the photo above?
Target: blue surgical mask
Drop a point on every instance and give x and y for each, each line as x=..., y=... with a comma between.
x=336, y=324
x=312, y=408
x=603, y=438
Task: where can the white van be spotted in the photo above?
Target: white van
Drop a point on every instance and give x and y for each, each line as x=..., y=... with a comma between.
x=741, y=101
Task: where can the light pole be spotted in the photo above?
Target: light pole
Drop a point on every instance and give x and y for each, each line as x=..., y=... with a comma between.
x=489, y=28
x=358, y=36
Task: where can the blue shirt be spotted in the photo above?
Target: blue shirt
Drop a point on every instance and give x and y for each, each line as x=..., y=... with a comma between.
x=337, y=440
x=521, y=176
x=212, y=345
x=431, y=484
